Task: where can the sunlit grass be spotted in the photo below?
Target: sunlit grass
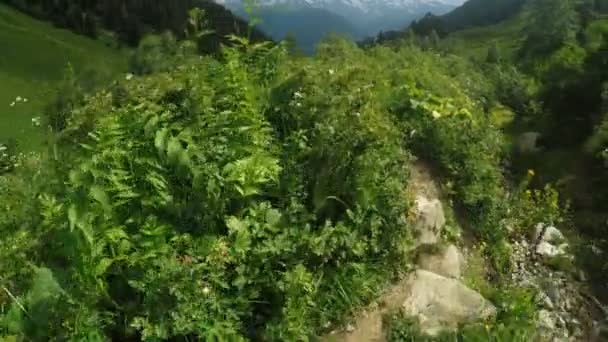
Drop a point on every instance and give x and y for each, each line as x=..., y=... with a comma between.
x=33, y=58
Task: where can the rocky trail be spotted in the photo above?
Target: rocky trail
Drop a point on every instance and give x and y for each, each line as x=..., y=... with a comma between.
x=435, y=293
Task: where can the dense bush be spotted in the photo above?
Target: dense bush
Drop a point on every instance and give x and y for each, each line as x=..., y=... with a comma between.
x=252, y=195
x=204, y=203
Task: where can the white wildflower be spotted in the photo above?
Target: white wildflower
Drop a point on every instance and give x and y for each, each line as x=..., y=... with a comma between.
x=206, y=290
x=13, y=104
x=36, y=121
x=436, y=114
x=331, y=71
x=18, y=99
x=129, y=77
x=3, y=148
x=412, y=133
x=298, y=95
x=357, y=114
x=25, y=99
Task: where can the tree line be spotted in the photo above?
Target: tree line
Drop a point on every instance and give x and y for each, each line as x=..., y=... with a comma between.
x=132, y=19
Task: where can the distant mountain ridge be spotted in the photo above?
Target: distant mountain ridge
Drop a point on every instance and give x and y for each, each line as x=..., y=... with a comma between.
x=307, y=25
x=347, y=7
x=471, y=14
x=356, y=18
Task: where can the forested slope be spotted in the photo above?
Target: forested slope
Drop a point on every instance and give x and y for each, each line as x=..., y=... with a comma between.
x=132, y=19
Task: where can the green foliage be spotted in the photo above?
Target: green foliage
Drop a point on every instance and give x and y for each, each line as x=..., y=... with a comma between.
x=493, y=54
x=69, y=94
x=131, y=20
x=533, y=206
x=247, y=195
x=471, y=13
x=8, y=156
x=467, y=149
x=204, y=203
x=553, y=23
x=514, y=89
x=156, y=53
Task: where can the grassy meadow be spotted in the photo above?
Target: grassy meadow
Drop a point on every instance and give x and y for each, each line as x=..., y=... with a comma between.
x=34, y=56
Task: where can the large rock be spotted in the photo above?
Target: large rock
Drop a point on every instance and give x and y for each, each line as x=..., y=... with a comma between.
x=430, y=218
x=548, y=234
x=449, y=263
x=441, y=303
x=550, y=242
x=550, y=251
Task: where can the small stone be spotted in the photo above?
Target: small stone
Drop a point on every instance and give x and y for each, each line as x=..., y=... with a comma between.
x=548, y=250
x=567, y=304
x=553, y=293
x=545, y=321
x=553, y=234
x=547, y=303
x=350, y=328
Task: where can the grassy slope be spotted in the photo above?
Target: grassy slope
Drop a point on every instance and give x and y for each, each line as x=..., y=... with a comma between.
x=509, y=36
x=33, y=59
x=475, y=42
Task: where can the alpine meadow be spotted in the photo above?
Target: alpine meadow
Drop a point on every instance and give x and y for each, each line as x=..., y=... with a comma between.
x=171, y=171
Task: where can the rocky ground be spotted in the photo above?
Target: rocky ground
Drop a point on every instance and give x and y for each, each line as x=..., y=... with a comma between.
x=435, y=295
x=569, y=312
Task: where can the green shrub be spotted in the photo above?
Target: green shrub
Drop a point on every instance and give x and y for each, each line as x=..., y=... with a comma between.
x=248, y=195
x=190, y=209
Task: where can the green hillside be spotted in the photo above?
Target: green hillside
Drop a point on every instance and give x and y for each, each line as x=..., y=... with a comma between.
x=421, y=188
x=33, y=60
x=475, y=42
x=509, y=37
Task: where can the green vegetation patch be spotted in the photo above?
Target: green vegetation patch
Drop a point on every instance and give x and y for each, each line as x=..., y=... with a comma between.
x=33, y=60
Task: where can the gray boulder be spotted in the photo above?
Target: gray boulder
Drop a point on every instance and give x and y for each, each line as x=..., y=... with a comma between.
x=430, y=218
x=441, y=303
x=551, y=242
x=449, y=263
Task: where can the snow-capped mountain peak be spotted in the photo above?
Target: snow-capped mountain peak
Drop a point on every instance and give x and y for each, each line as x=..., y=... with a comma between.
x=365, y=6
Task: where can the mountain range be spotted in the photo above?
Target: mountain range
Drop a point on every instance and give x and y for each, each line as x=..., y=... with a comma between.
x=309, y=20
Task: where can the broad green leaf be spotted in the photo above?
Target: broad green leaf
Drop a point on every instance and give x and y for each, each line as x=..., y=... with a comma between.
x=174, y=149
x=151, y=124
x=273, y=217
x=160, y=140
x=72, y=216
x=102, y=266
x=100, y=196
